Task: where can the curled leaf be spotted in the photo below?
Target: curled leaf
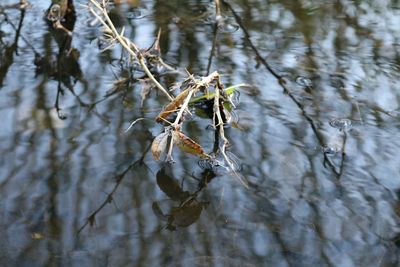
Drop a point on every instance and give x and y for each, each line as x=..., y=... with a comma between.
x=173, y=106
x=159, y=144
x=188, y=145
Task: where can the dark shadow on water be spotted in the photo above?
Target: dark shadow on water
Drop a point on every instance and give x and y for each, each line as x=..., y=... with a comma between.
x=184, y=208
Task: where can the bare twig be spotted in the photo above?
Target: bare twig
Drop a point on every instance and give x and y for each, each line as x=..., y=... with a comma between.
x=214, y=44
x=128, y=45
x=203, y=83
x=218, y=9
x=219, y=125
x=133, y=123
x=198, y=84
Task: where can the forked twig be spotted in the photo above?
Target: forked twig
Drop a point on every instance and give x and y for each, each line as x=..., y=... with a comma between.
x=203, y=83
x=128, y=45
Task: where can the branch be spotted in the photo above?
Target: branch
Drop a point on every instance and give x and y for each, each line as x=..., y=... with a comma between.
x=204, y=82
x=128, y=45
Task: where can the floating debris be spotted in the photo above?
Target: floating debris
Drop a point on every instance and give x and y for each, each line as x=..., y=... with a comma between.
x=136, y=14
x=328, y=150
x=341, y=124
x=303, y=81
x=219, y=166
x=228, y=27
x=394, y=113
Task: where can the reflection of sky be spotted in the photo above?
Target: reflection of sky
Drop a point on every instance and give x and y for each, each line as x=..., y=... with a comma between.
x=55, y=173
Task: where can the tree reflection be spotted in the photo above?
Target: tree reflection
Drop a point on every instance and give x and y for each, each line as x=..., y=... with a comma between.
x=339, y=60
x=7, y=52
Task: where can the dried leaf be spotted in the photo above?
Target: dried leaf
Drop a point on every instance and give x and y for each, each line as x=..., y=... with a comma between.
x=159, y=144
x=173, y=106
x=188, y=145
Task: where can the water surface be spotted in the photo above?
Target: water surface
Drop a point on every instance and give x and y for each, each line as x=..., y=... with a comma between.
x=321, y=160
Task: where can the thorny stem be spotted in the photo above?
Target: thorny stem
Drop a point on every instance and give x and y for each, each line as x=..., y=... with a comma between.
x=129, y=46
x=218, y=21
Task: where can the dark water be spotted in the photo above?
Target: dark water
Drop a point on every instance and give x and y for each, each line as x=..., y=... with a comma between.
x=322, y=192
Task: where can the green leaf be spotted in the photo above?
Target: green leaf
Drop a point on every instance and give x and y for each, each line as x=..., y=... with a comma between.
x=230, y=90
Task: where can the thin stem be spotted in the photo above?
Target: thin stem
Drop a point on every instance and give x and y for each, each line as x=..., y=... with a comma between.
x=214, y=43
x=183, y=107
x=129, y=46
x=204, y=82
x=219, y=124
x=217, y=9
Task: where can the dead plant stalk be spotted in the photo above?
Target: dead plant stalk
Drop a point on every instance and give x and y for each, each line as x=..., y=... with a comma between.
x=205, y=82
x=217, y=9
x=128, y=45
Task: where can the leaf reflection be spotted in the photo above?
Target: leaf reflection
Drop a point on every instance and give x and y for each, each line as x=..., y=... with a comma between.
x=183, y=209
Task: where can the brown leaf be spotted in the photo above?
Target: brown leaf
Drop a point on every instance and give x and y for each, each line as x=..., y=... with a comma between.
x=188, y=145
x=173, y=106
x=159, y=144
